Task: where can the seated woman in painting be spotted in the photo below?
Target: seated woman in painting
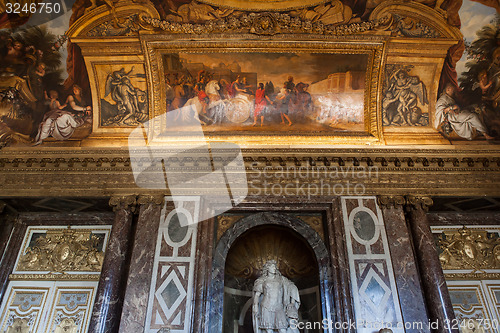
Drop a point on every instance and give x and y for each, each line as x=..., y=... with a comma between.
x=240, y=88
x=77, y=102
x=462, y=121
x=57, y=123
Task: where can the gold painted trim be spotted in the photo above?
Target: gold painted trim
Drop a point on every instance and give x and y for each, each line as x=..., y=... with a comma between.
x=54, y=277
x=472, y=276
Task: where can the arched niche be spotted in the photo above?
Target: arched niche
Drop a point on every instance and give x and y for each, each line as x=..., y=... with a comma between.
x=256, y=223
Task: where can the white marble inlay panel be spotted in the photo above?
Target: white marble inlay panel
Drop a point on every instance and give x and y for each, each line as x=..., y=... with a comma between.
x=171, y=293
x=376, y=302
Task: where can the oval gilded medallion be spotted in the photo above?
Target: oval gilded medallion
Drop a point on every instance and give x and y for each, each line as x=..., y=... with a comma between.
x=263, y=5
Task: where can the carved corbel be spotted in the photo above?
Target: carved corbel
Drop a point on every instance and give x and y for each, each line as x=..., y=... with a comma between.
x=2, y=206
x=413, y=202
x=123, y=202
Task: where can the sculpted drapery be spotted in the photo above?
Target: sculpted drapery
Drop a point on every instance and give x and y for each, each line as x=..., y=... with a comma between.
x=275, y=302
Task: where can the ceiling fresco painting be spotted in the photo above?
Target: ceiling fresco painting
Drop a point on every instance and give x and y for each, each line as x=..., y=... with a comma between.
x=362, y=71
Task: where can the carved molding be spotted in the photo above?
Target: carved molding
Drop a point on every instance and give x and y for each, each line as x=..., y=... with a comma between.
x=54, y=277
x=63, y=250
x=413, y=19
x=469, y=249
x=472, y=276
x=127, y=26
x=117, y=20
x=107, y=172
x=264, y=24
x=333, y=19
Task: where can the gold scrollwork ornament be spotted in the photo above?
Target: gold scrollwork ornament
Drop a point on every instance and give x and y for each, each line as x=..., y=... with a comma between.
x=61, y=251
x=469, y=249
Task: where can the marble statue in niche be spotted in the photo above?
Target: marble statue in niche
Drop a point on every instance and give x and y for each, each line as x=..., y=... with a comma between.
x=276, y=302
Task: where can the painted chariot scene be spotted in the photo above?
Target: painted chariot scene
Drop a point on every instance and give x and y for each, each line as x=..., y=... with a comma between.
x=266, y=92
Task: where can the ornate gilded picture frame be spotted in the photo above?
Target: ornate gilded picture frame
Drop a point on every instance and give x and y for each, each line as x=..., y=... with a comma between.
x=266, y=91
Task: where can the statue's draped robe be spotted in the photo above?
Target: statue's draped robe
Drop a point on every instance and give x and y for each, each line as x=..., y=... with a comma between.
x=279, y=302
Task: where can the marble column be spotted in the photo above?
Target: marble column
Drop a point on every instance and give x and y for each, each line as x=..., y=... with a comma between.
x=411, y=297
x=109, y=296
x=141, y=264
x=434, y=284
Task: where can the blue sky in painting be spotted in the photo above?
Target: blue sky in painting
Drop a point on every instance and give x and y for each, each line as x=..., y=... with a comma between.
x=473, y=16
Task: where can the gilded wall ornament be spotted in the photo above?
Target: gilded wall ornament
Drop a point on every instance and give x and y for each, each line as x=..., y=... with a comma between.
x=469, y=249
x=67, y=325
x=62, y=251
x=262, y=24
x=19, y=325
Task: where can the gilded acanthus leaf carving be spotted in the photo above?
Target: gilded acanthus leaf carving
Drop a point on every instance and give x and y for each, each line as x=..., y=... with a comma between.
x=333, y=18
x=63, y=251
x=469, y=249
x=265, y=24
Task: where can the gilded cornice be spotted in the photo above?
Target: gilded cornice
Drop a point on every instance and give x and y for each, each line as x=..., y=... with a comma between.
x=107, y=172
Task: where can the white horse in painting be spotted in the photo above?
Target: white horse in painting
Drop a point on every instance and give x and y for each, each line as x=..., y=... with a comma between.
x=194, y=108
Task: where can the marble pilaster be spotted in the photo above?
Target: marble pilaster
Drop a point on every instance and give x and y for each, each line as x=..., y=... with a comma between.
x=408, y=284
x=141, y=265
x=109, y=296
x=434, y=285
